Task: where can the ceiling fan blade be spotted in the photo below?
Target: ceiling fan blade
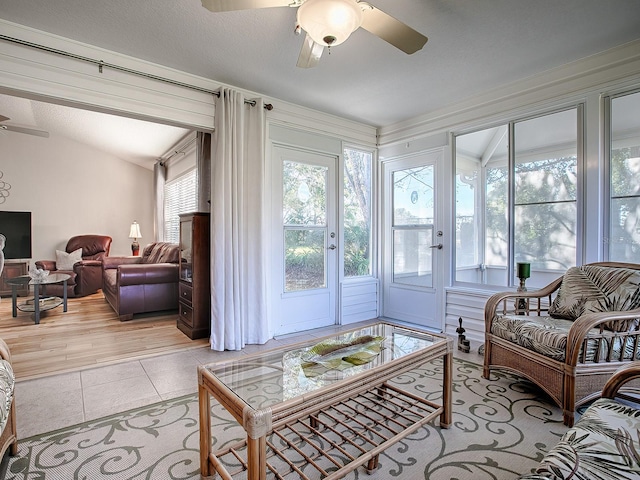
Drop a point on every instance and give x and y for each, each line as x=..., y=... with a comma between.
x=29, y=131
x=3, y=118
x=392, y=30
x=230, y=5
x=310, y=53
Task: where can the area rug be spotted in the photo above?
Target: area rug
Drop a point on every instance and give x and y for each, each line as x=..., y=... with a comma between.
x=501, y=428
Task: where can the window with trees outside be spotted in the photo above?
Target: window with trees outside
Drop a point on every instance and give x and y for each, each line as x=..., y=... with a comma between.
x=516, y=200
x=624, y=166
x=180, y=196
x=357, y=212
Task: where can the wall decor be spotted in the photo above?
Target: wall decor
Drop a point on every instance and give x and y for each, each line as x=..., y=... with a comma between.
x=4, y=189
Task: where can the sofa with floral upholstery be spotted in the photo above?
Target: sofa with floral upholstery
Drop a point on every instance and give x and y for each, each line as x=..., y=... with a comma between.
x=605, y=443
x=571, y=335
x=8, y=438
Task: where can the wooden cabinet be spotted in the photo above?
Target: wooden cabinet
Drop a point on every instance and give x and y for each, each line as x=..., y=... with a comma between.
x=13, y=268
x=194, y=317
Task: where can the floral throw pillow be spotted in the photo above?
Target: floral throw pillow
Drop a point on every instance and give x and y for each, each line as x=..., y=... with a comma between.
x=593, y=288
x=7, y=382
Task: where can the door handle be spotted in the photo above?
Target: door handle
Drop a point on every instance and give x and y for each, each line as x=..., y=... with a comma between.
x=438, y=246
x=332, y=247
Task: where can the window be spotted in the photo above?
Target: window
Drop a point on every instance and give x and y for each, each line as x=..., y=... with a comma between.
x=180, y=196
x=357, y=212
x=516, y=200
x=624, y=186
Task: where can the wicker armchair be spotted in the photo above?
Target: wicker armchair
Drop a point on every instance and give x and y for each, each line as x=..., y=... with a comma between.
x=572, y=335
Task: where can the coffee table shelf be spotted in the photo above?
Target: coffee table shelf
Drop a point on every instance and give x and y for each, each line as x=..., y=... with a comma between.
x=350, y=432
x=45, y=304
x=312, y=424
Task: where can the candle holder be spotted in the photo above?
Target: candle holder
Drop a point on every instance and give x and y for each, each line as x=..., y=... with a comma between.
x=523, y=272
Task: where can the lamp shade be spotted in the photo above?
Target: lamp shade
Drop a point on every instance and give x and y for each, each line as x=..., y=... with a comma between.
x=329, y=22
x=135, y=231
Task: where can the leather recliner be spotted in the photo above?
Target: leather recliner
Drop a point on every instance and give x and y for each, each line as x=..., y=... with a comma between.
x=142, y=284
x=86, y=276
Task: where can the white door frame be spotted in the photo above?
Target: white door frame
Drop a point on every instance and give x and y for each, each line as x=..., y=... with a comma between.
x=419, y=305
x=308, y=309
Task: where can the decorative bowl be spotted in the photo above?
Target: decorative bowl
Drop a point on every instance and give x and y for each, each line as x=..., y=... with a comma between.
x=38, y=274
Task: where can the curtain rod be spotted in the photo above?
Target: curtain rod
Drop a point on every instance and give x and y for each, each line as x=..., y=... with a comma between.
x=101, y=64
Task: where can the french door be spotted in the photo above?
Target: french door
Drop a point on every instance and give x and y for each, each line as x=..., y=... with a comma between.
x=306, y=242
x=413, y=250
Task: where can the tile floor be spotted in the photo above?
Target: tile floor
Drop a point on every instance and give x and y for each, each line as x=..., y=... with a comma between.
x=58, y=401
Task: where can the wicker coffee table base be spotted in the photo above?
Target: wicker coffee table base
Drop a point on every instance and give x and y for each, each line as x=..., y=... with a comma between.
x=334, y=441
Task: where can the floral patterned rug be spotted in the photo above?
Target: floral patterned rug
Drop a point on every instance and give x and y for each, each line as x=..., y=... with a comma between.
x=501, y=428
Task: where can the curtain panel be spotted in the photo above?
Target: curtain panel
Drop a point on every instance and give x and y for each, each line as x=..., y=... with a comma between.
x=238, y=274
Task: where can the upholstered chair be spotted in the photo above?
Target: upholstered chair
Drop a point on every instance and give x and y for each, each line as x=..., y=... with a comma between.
x=82, y=261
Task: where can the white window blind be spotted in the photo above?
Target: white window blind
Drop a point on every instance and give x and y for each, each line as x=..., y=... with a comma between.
x=180, y=196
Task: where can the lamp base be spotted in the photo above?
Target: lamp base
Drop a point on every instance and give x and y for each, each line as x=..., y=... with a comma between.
x=522, y=304
x=135, y=248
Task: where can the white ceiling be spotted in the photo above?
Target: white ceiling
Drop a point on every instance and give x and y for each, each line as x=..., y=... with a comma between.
x=474, y=46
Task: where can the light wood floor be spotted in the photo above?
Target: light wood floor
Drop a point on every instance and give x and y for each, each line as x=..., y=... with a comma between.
x=88, y=335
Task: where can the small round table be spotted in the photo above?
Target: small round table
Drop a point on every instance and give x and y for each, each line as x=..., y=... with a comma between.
x=37, y=304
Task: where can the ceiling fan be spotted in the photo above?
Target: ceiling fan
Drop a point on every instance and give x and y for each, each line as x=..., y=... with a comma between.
x=328, y=23
x=15, y=128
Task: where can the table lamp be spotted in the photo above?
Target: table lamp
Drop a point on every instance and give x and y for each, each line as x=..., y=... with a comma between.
x=134, y=233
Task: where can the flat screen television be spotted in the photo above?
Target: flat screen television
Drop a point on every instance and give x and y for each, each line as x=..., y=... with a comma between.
x=16, y=227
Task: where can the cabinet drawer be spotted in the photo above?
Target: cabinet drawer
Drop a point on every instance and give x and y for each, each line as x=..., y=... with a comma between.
x=186, y=314
x=185, y=292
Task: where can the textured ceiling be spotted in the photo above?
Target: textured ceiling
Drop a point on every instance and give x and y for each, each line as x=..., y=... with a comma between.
x=474, y=46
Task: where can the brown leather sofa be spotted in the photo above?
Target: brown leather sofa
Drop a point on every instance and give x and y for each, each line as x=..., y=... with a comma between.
x=86, y=276
x=148, y=283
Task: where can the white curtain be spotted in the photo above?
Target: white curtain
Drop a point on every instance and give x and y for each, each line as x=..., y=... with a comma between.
x=238, y=286
x=159, y=179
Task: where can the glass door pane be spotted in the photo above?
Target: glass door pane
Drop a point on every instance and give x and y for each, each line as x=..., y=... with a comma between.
x=413, y=196
x=412, y=259
x=304, y=259
x=413, y=217
x=305, y=225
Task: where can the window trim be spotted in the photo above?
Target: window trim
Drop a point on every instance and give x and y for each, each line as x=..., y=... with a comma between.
x=607, y=145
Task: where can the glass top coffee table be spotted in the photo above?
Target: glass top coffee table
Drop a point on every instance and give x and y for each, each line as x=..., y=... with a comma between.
x=40, y=302
x=320, y=409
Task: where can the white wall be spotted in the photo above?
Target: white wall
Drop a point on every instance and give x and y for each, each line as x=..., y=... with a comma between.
x=72, y=189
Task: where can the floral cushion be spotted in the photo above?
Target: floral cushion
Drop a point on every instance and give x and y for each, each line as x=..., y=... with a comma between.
x=548, y=336
x=603, y=445
x=545, y=335
x=593, y=288
x=7, y=383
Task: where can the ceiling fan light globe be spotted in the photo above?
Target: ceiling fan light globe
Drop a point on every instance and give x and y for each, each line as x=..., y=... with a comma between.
x=329, y=22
